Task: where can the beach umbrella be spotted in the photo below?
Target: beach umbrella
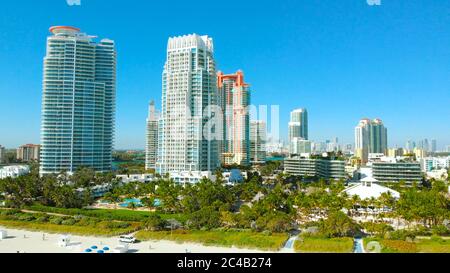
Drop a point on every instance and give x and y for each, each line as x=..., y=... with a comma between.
x=94, y=247
x=106, y=248
x=100, y=252
x=88, y=250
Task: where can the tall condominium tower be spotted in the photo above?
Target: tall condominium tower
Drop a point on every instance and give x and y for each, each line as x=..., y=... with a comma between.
x=362, y=140
x=298, y=126
x=78, y=102
x=433, y=146
x=186, y=139
x=370, y=137
x=151, y=147
x=258, y=139
x=378, y=137
x=234, y=99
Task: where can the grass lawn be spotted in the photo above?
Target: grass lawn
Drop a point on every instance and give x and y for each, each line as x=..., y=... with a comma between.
x=418, y=246
x=433, y=246
x=76, y=230
x=108, y=214
x=324, y=245
x=244, y=239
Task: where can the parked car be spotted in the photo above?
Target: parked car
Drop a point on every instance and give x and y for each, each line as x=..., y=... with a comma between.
x=127, y=239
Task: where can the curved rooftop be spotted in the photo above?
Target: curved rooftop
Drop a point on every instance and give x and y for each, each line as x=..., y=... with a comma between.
x=64, y=29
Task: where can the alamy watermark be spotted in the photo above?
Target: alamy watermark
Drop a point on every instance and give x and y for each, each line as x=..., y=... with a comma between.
x=73, y=2
x=374, y=2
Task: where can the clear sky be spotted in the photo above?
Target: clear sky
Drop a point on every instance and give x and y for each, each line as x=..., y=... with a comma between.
x=341, y=59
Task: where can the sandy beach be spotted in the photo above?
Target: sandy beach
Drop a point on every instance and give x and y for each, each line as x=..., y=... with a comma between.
x=21, y=241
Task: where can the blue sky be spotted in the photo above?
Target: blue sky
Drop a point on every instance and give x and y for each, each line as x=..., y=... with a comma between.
x=342, y=59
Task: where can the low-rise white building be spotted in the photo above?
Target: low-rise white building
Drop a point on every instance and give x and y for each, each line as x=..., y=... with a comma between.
x=143, y=178
x=434, y=163
x=191, y=177
x=14, y=171
x=368, y=188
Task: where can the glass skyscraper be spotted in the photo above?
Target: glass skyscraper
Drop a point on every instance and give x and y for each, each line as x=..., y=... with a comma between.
x=298, y=126
x=78, y=102
x=151, y=147
x=186, y=142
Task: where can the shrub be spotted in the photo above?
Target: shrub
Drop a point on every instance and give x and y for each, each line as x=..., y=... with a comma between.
x=155, y=223
x=113, y=225
x=69, y=222
x=401, y=235
x=26, y=217
x=56, y=220
x=42, y=219
x=440, y=230
x=10, y=212
x=399, y=246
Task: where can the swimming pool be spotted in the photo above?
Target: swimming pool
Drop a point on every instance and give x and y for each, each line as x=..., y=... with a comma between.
x=126, y=202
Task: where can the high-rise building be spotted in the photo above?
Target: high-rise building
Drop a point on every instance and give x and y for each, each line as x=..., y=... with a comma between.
x=78, y=102
x=187, y=140
x=298, y=125
x=410, y=145
x=300, y=146
x=433, y=145
x=370, y=137
x=362, y=140
x=378, y=137
x=2, y=154
x=28, y=153
x=151, y=147
x=234, y=99
x=258, y=139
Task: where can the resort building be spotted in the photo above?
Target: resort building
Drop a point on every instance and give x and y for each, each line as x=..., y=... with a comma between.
x=28, y=153
x=368, y=189
x=298, y=125
x=388, y=172
x=141, y=178
x=311, y=167
x=78, y=102
x=186, y=140
x=13, y=171
x=258, y=139
x=234, y=99
x=434, y=163
x=187, y=177
x=151, y=147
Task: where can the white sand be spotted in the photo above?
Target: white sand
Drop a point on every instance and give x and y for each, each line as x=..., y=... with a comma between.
x=33, y=243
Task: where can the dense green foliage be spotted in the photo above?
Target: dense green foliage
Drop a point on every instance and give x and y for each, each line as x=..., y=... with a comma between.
x=324, y=245
x=81, y=225
x=240, y=239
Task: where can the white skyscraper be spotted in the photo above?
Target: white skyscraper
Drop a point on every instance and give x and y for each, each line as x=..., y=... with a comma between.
x=78, y=102
x=186, y=140
x=298, y=126
x=362, y=139
x=370, y=137
x=151, y=147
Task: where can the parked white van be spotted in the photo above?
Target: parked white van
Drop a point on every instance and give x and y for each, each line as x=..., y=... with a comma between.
x=127, y=239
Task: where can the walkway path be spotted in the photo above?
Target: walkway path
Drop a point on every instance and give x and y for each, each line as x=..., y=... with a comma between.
x=359, y=246
x=289, y=246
